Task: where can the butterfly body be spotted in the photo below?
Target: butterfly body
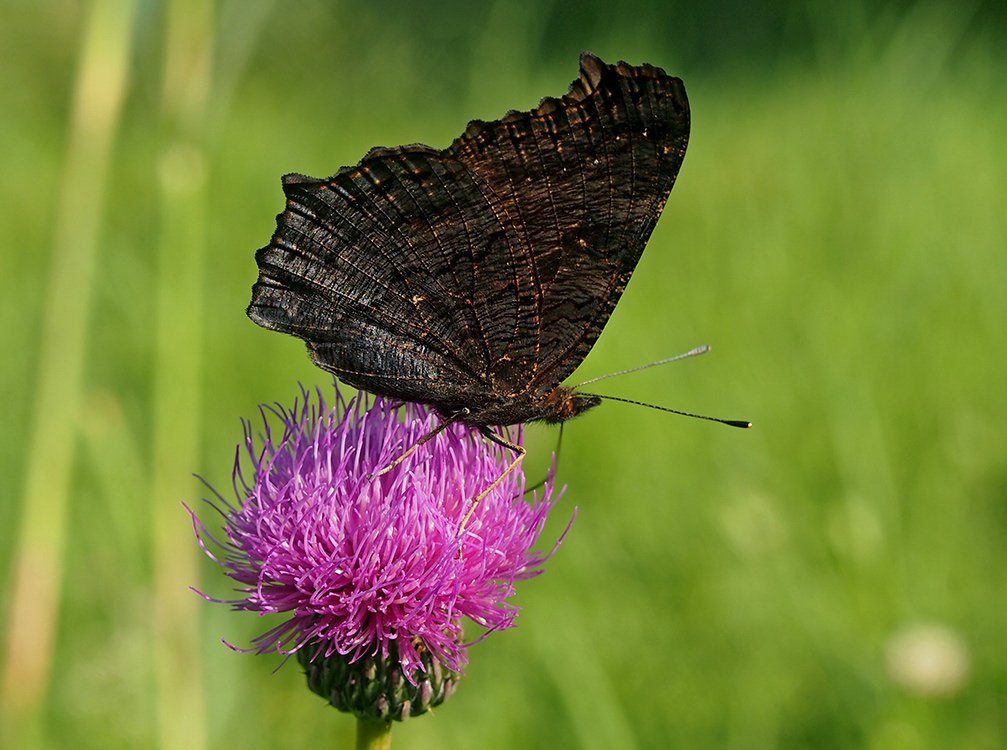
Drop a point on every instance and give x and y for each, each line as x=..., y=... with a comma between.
x=476, y=278
x=552, y=407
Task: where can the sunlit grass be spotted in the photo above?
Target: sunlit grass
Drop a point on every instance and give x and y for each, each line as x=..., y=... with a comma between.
x=837, y=235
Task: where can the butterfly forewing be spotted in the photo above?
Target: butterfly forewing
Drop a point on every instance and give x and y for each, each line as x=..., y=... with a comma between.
x=581, y=182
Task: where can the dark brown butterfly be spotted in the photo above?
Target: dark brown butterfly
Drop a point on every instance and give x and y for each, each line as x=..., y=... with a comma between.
x=476, y=278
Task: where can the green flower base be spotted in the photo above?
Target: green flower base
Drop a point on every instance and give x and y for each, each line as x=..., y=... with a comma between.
x=374, y=687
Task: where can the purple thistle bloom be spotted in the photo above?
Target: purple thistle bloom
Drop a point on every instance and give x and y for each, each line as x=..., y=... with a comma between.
x=373, y=567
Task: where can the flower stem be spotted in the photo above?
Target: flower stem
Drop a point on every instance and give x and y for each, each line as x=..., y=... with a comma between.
x=374, y=734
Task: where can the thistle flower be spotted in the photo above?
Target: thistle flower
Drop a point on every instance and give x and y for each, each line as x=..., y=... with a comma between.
x=377, y=572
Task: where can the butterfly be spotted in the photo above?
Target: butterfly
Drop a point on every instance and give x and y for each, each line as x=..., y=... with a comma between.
x=476, y=278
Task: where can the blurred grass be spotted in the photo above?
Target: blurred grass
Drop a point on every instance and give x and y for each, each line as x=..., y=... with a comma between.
x=837, y=234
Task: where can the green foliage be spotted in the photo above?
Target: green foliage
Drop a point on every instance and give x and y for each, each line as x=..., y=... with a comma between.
x=838, y=235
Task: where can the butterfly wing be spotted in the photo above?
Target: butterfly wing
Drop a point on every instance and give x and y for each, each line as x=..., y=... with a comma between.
x=486, y=270
x=369, y=267
x=581, y=182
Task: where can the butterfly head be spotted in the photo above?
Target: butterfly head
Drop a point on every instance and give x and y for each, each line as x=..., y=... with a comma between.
x=565, y=403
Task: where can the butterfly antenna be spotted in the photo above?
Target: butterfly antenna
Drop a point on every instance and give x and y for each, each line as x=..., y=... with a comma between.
x=744, y=423
x=691, y=353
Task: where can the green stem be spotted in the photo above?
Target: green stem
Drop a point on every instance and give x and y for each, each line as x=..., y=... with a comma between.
x=374, y=734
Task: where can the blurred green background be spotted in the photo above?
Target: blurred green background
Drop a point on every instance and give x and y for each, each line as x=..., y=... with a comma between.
x=833, y=578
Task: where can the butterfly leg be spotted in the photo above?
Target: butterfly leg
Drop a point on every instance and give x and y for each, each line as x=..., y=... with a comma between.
x=520, y=452
x=426, y=438
x=528, y=489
